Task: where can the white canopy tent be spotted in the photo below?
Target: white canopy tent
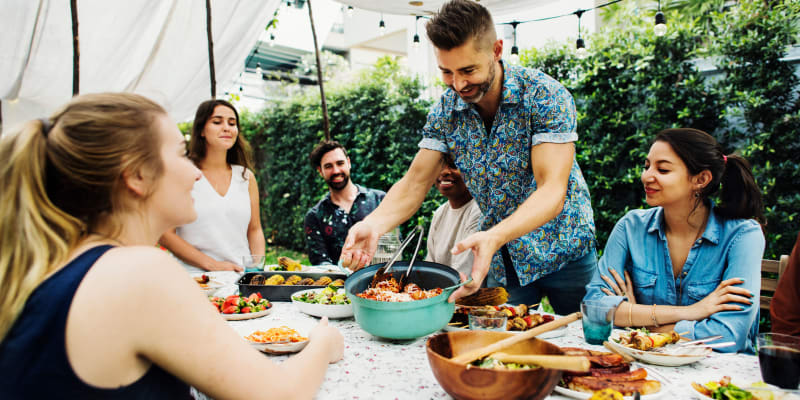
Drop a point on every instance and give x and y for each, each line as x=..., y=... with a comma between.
x=157, y=48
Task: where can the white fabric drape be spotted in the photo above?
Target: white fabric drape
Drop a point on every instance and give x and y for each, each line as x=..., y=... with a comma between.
x=157, y=48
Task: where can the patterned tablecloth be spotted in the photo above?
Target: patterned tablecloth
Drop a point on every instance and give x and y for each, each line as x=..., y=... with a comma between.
x=375, y=368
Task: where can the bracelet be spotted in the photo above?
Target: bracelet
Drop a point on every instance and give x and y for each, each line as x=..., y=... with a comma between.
x=630, y=314
x=653, y=316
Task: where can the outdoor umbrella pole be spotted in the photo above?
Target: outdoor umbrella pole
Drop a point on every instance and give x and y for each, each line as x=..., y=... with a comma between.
x=325, y=123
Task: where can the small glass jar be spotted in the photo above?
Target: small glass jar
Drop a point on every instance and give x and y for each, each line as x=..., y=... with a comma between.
x=488, y=320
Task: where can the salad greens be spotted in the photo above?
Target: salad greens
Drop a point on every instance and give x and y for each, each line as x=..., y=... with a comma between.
x=331, y=295
x=491, y=363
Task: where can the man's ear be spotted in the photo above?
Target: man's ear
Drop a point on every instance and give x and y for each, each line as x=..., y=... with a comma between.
x=319, y=171
x=135, y=182
x=497, y=49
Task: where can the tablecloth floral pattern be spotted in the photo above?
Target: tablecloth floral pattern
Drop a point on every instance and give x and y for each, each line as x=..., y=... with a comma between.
x=375, y=368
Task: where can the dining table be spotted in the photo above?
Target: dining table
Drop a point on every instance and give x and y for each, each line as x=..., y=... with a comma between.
x=377, y=368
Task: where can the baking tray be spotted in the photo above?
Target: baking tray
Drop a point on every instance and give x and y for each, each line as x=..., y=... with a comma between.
x=282, y=292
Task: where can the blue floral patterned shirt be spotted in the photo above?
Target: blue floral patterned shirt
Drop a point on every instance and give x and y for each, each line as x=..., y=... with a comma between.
x=496, y=166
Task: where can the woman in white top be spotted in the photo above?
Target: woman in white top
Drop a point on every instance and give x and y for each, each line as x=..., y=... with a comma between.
x=228, y=224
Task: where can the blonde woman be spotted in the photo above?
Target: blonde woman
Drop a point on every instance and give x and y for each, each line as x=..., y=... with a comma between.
x=91, y=309
x=228, y=224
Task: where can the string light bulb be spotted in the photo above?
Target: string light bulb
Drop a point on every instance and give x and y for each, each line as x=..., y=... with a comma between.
x=349, y=11
x=580, y=45
x=514, y=49
x=415, y=41
x=661, y=22
x=382, y=26
x=271, y=39
x=581, y=51
x=259, y=71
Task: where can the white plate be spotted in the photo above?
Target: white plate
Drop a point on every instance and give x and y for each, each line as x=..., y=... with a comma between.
x=583, y=395
x=211, y=286
x=322, y=310
x=239, y=317
x=673, y=356
x=283, y=348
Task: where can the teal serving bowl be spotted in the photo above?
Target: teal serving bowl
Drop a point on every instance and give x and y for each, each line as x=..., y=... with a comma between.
x=404, y=320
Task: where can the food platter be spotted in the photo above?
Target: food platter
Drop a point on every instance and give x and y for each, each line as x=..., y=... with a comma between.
x=240, y=317
x=670, y=356
x=546, y=335
x=583, y=395
x=279, y=348
x=322, y=310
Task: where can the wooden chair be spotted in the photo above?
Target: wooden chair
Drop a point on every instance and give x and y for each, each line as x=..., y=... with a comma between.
x=770, y=283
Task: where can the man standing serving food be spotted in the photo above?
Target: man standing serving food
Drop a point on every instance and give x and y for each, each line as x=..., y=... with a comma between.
x=510, y=131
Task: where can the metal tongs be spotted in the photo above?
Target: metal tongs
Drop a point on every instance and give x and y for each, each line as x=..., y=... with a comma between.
x=381, y=275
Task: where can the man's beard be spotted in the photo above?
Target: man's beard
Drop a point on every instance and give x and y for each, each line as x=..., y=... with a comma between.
x=483, y=87
x=338, y=185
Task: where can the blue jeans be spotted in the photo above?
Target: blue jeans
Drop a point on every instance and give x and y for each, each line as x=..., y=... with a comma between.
x=564, y=288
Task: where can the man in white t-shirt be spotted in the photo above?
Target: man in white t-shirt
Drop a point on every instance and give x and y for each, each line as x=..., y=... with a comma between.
x=453, y=221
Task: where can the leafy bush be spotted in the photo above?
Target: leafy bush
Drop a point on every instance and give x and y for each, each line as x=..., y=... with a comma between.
x=636, y=84
x=378, y=118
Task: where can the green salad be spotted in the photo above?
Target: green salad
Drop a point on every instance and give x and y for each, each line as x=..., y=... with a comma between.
x=491, y=363
x=332, y=295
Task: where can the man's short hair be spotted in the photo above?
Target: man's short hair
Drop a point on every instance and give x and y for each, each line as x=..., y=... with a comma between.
x=457, y=22
x=322, y=148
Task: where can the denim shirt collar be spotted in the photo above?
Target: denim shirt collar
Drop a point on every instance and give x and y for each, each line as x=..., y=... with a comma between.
x=710, y=234
x=511, y=90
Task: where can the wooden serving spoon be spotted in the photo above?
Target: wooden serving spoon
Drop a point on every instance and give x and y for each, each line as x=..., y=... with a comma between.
x=481, y=352
x=569, y=363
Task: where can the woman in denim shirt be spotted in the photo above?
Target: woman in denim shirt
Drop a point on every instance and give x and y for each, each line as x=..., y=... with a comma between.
x=688, y=265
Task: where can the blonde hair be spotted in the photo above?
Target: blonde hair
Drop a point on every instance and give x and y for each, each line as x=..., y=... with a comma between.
x=58, y=181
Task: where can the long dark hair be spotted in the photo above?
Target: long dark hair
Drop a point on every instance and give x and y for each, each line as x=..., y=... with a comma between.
x=740, y=196
x=240, y=153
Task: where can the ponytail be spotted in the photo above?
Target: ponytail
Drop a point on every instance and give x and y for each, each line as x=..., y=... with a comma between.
x=60, y=177
x=35, y=235
x=740, y=196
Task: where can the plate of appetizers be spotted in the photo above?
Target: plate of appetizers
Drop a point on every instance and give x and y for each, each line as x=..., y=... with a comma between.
x=657, y=348
x=235, y=308
x=724, y=389
x=607, y=371
x=207, y=284
x=278, y=339
x=520, y=319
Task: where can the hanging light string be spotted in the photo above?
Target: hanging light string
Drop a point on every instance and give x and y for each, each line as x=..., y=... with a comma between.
x=415, y=43
x=514, y=48
x=562, y=15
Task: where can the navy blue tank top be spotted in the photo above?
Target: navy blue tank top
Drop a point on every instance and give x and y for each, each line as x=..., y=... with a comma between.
x=33, y=356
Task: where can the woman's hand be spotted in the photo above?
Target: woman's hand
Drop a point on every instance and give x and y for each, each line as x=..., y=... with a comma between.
x=719, y=299
x=626, y=283
x=323, y=331
x=224, y=266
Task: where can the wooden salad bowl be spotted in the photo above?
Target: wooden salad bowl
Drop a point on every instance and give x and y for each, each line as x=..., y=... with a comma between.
x=470, y=382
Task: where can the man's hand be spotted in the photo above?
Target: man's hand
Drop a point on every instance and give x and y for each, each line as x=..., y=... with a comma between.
x=360, y=245
x=483, y=246
x=224, y=266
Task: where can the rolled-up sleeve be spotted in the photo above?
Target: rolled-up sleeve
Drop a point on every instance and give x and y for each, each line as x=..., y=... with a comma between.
x=615, y=256
x=554, y=117
x=436, y=127
x=744, y=261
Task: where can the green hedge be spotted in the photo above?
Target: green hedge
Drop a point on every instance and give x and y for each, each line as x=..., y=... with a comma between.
x=633, y=86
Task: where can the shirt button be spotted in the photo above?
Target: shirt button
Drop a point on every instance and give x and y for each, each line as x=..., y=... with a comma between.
x=685, y=273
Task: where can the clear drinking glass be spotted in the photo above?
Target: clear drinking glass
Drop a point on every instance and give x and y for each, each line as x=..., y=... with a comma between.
x=779, y=359
x=388, y=244
x=598, y=319
x=253, y=262
x=488, y=320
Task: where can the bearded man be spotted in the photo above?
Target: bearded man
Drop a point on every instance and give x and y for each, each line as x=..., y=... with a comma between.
x=327, y=223
x=511, y=132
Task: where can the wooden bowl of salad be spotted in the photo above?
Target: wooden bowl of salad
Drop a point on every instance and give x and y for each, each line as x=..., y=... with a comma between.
x=331, y=302
x=489, y=379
